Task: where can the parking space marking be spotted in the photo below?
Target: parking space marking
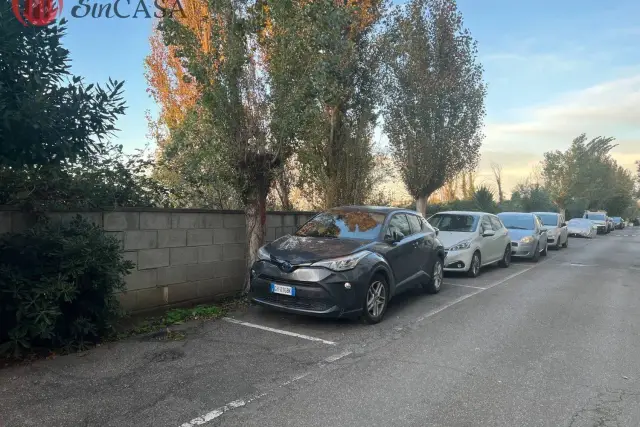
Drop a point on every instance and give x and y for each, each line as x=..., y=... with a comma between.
x=210, y=416
x=278, y=331
x=464, y=297
x=338, y=356
x=464, y=286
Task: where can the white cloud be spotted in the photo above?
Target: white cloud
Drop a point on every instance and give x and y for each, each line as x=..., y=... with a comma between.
x=608, y=109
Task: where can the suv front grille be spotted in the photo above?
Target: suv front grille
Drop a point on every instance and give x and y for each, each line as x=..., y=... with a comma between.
x=295, y=302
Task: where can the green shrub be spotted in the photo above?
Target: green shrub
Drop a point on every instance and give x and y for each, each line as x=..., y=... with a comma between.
x=58, y=285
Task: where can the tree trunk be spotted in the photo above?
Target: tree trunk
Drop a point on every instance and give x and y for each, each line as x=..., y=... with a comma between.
x=256, y=218
x=421, y=205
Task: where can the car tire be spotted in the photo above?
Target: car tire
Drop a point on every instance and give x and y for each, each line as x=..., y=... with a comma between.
x=536, y=254
x=506, y=257
x=435, y=282
x=566, y=243
x=545, y=251
x=476, y=262
x=372, y=311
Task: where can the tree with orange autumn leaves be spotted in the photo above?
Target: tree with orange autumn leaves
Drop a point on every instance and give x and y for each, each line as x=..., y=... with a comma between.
x=335, y=158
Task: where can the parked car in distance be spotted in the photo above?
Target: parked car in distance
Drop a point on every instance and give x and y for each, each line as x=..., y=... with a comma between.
x=528, y=234
x=557, y=233
x=618, y=222
x=348, y=261
x=580, y=227
x=472, y=240
x=599, y=219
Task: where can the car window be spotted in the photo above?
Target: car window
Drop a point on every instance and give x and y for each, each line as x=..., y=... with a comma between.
x=485, y=224
x=425, y=225
x=414, y=221
x=495, y=223
x=454, y=222
x=399, y=223
x=539, y=222
x=344, y=224
x=548, y=219
x=515, y=221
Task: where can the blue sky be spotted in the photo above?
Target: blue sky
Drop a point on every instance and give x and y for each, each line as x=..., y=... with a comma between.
x=554, y=69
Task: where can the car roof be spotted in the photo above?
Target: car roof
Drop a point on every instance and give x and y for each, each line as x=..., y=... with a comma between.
x=516, y=213
x=546, y=213
x=470, y=213
x=372, y=209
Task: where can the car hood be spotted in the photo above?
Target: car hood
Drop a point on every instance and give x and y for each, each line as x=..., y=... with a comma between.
x=301, y=250
x=579, y=228
x=598, y=221
x=450, y=238
x=582, y=226
x=519, y=234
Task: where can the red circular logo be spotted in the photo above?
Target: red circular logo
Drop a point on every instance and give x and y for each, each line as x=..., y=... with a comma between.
x=36, y=12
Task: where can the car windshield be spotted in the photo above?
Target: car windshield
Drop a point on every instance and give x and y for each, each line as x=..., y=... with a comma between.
x=517, y=222
x=616, y=219
x=454, y=222
x=549, y=219
x=344, y=225
x=595, y=216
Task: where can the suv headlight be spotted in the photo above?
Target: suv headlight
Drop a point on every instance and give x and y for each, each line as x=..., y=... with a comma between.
x=528, y=239
x=343, y=263
x=461, y=246
x=263, y=254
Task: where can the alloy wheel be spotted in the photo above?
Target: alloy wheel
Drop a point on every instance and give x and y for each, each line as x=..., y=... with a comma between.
x=437, y=275
x=376, y=299
x=474, y=268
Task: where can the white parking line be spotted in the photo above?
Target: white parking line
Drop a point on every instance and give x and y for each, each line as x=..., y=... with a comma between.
x=338, y=356
x=464, y=297
x=464, y=286
x=278, y=331
x=210, y=416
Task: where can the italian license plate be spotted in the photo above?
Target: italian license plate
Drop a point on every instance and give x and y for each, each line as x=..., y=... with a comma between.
x=283, y=290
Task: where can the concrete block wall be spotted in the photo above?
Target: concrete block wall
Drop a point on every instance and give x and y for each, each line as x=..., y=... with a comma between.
x=180, y=255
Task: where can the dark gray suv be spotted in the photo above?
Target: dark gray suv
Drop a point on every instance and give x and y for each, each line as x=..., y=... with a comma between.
x=349, y=261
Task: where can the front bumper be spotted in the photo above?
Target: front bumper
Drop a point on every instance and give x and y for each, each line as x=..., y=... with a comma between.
x=318, y=291
x=458, y=260
x=579, y=233
x=552, y=240
x=523, y=250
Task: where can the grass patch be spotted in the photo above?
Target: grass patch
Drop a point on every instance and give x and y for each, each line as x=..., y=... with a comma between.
x=175, y=316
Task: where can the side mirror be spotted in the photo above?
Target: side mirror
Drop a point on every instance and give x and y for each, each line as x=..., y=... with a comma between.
x=488, y=233
x=564, y=224
x=437, y=230
x=544, y=230
x=394, y=237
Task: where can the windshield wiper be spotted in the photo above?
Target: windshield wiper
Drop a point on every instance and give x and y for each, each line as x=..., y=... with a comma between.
x=513, y=227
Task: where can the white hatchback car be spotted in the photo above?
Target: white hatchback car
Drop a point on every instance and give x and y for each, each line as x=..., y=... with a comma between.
x=472, y=240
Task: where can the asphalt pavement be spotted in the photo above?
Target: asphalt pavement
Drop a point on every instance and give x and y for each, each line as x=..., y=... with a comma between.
x=554, y=343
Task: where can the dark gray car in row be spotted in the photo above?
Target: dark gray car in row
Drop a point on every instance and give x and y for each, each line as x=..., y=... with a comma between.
x=349, y=261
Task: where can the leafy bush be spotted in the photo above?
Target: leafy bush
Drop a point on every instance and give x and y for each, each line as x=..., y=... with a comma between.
x=108, y=178
x=58, y=285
